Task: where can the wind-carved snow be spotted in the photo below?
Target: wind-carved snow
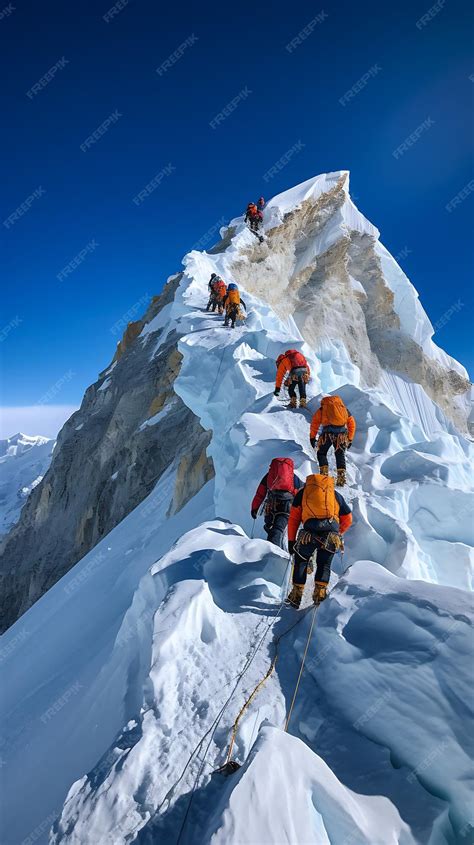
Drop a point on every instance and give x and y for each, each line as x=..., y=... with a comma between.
x=155, y=638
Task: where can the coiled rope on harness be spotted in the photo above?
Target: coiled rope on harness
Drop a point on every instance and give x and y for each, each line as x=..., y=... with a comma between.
x=339, y=441
x=332, y=542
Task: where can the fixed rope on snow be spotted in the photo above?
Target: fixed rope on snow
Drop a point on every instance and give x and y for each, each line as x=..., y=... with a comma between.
x=213, y=727
x=230, y=765
x=308, y=640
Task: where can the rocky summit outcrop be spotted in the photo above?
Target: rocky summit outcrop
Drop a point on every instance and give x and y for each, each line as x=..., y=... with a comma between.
x=323, y=264
x=109, y=456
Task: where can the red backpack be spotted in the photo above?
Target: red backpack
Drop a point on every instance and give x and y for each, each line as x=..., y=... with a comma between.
x=281, y=475
x=296, y=358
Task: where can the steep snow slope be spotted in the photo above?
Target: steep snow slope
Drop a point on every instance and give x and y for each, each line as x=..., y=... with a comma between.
x=322, y=265
x=133, y=654
x=24, y=461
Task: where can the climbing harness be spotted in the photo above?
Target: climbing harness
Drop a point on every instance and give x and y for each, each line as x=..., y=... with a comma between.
x=272, y=505
x=296, y=374
x=234, y=313
x=339, y=441
x=333, y=542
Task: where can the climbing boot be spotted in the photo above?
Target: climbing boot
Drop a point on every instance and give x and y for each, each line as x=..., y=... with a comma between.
x=303, y=403
x=324, y=470
x=320, y=592
x=293, y=402
x=295, y=595
x=341, y=478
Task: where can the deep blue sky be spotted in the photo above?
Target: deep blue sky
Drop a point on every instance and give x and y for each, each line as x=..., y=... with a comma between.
x=66, y=326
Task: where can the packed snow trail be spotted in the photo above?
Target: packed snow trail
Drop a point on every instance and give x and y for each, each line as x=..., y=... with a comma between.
x=235, y=400
x=149, y=640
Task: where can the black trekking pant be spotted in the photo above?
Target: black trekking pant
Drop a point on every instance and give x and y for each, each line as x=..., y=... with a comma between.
x=301, y=385
x=277, y=511
x=275, y=525
x=323, y=560
x=211, y=305
x=231, y=314
x=322, y=453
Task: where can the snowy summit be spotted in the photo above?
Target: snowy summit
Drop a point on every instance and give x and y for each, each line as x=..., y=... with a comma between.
x=23, y=463
x=143, y=610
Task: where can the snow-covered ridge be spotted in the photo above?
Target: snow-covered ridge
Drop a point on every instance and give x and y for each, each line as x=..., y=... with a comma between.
x=20, y=443
x=24, y=461
x=406, y=303
x=319, y=249
x=134, y=652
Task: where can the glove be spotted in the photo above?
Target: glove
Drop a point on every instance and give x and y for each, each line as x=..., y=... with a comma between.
x=312, y=440
x=276, y=392
x=349, y=444
x=254, y=513
x=291, y=546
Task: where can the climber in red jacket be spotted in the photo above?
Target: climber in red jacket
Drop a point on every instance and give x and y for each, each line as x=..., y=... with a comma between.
x=294, y=368
x=277, y=488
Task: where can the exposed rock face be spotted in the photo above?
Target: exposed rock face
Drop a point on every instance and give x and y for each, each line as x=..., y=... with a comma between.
x=329, y=276
x=322, y=264
x=106, y=462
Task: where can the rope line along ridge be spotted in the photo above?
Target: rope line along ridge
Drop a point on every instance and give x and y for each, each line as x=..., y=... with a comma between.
x=231, y=765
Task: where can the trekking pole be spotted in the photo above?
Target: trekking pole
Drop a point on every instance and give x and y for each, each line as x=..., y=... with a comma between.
x=253, y=528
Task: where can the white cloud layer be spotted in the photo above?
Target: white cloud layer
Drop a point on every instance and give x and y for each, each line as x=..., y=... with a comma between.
x=34, y=419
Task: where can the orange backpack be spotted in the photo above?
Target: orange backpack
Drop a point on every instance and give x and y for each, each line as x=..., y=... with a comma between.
x=221, y=289
x=233, y=297
x=334, y=412
x=319, y=498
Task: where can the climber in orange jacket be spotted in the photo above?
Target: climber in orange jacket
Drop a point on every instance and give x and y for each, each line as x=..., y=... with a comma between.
x=294, y=368
x=325, y=516
x=338, y=427
x=232, y=302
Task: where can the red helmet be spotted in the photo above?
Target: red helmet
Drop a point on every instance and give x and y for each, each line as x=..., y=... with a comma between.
x=279, y=360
